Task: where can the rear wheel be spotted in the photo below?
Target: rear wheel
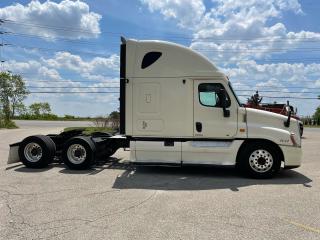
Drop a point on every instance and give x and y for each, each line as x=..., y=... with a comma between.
x=79, y=153
x=259, y=160
x=37, y=151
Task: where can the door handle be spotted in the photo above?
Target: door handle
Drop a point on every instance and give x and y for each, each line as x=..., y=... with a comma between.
x=199, y=126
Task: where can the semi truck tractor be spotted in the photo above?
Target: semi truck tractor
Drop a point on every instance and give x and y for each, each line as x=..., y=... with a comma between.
x=177, y=109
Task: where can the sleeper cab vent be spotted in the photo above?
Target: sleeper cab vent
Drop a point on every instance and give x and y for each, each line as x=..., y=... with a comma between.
x=150, y=58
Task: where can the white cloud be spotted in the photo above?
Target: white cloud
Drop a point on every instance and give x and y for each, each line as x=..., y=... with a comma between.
x=235, y=30
x=72, y=19
x=96, y=69
x=283, y=77
x=283, y=72
x=32, y=69
x=48, y=75
x=187, y=13
x=75, y=62
x=22, y=67
x=232, y=18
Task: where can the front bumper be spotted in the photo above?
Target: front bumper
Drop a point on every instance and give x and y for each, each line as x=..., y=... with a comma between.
x=292, y=156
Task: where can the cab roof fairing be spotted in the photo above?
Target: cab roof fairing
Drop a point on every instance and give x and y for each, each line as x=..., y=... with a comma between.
x=176, y=61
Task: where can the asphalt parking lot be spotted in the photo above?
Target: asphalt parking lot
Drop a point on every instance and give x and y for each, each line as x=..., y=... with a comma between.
x=116, y=201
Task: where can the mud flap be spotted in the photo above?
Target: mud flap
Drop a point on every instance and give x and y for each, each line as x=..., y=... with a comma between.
x=14, y=154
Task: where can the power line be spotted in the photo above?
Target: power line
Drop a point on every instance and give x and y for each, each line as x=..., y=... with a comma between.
x=49, y=26
x=272, y=60
x=89, y=87
x=70, y=87
x=215, y=60
x=68, y=81
x=257, y=49
x=275, y=91
x=254, y=40
x=60, y=50
x=278, y=80
x=99, y=87
x=92, y=92
x=112, y=80
x=77, y=41
x=240, y=90
x=284, y=87
x=116, y=43
x=201, y=50
x=55, y=92
x=64, y=74
x=170, y=35
x=288, y=97
x=107, y=81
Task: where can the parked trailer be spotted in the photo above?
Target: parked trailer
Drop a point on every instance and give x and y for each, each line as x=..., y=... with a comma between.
x=283, y=109
x=176, y=108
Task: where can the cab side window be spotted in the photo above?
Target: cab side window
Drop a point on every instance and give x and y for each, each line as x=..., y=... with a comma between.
x=210, y=95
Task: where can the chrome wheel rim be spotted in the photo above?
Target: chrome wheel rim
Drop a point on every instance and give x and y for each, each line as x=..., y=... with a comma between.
x=76, y=153
x=33, y=152
x=261, y=161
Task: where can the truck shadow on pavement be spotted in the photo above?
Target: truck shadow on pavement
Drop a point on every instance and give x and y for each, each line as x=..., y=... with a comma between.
x=199, y=178
x=179, y=178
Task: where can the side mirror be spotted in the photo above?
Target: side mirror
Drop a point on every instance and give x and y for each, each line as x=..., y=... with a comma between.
x=287, y=122
x=288, y=109
x=223, y=98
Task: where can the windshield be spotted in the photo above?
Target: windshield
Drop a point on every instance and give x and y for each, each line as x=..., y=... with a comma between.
x=234, y=94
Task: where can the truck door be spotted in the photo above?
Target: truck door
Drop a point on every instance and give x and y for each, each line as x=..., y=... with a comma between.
x=209, y=119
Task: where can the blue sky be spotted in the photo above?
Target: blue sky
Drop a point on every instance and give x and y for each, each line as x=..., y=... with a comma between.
x=270, y=45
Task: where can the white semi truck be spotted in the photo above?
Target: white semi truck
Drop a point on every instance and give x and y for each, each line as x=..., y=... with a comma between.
x=176, y=108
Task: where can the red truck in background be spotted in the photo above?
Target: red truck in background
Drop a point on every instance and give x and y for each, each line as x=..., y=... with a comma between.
x=280, y=108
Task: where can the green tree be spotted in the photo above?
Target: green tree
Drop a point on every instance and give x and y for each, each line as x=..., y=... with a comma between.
x=114, y=119
x=12, y=92
x=19, y=93
x=114, y=115
x=34, y=109
x=45, y=108
x=40, y=108
x=316, y=115
x=21, y=109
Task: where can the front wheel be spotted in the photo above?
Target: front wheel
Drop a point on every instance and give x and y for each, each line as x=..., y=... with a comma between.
x=259, y=160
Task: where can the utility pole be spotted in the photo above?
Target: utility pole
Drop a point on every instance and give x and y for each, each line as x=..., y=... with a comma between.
x=2, y=61
x=2, y=44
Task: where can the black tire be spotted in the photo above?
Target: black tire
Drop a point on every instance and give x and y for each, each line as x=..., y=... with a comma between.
x=259, y=160
x=86, y=150
x=301, y=129
x=40, y=143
